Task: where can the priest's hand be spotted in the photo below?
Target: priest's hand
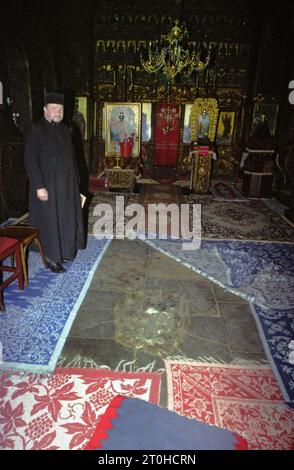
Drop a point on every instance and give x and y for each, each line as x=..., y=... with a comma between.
x=42, y=194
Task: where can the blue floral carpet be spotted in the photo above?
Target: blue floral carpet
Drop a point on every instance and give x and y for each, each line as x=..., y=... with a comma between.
x=263, y=274
x=37, y=320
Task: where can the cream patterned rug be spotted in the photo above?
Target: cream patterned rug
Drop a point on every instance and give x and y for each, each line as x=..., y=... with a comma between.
x=246, y=220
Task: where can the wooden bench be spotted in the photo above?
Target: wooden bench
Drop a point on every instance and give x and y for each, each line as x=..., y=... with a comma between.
x=25, y=235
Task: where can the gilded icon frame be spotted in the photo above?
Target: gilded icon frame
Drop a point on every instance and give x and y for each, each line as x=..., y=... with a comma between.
x=210, y=105
x=82, y=119
x=225, y=127
x=270, y=111
x=122, y=121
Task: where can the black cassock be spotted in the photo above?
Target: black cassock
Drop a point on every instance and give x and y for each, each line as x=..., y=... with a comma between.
x=50, y=164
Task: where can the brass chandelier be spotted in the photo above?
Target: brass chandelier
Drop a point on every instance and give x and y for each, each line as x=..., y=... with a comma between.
x=173, y=58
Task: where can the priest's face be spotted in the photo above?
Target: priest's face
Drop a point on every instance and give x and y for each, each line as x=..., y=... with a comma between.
x=53, y=112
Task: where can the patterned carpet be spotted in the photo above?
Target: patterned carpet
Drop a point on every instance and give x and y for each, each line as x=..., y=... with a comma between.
x=246, y=220
x=37, y=320
x=161, y=193
x=244, y=400
x=262, y=273
x=62, y=411
x=222, y=190
x=117, y=201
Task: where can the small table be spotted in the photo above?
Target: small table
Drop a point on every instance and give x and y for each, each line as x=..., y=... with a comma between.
x=118, y=178
x=25, y=235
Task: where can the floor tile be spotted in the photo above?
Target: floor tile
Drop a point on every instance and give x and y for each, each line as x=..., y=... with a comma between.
x=240, y=327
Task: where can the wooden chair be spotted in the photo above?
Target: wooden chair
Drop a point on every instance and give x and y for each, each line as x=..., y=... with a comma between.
x=10, y=247
x=25, y=235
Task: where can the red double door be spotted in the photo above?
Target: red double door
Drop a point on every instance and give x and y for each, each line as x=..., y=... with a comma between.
x=167, y=134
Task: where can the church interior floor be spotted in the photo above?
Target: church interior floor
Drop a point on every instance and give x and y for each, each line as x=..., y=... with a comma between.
x=142, y=307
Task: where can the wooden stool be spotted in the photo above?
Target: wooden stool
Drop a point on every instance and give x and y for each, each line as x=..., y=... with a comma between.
x=25, y=235
x=10, y=247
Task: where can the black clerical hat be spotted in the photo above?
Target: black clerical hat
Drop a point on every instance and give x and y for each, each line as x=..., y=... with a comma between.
x=55, y=98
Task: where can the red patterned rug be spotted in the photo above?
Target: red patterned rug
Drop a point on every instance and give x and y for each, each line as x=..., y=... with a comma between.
x=244, y=400
x=62, y=411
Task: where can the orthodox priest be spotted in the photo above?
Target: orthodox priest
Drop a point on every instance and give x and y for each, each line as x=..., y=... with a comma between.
x=54, y=198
